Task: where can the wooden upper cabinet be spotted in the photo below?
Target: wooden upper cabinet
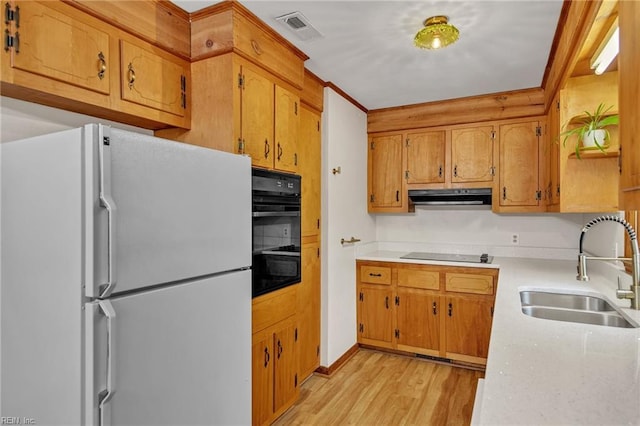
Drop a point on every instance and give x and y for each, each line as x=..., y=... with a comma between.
x=519, y=146
x=287, y=123
x=153, y=78
x=309, y=161
x=426, y=157
x=386, y=181
x=472, y=154
x=257, y=118
x=629, y=89
x=62, y=47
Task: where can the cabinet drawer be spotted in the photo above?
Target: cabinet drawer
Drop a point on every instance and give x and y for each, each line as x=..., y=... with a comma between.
x=469, y=283
x=416, y=278
x=375, y=274
x=273, y=307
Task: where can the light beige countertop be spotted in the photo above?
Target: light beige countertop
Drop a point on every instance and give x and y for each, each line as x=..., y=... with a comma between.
x=544, y=372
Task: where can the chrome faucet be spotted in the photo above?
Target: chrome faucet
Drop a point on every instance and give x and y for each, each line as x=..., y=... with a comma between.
x=633, y=293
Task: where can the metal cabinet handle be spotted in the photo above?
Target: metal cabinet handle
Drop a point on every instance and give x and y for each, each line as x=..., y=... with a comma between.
x=107, y=394
x=103, y=65
x=266, y=148
x=266, y=356
x=279, y=348
x=386, y=302
x=504, y=192
x=131, y=75
x=106, y=201
x=351, y=241
x=279, y=151
x=435, y=308
x=397, y=195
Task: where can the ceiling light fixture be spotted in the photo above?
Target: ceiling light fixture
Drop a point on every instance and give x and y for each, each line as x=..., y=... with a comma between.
x=607, y=51
x=437, y=33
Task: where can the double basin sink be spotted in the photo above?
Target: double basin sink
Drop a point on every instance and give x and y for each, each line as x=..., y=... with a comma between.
x=577, y=308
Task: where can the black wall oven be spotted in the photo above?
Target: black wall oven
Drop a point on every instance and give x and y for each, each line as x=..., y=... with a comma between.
x=276, y=230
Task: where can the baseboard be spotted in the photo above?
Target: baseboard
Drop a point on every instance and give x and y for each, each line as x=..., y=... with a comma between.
x=328, y=371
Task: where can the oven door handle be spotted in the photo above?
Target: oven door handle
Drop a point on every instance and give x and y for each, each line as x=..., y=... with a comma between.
x=275, y=214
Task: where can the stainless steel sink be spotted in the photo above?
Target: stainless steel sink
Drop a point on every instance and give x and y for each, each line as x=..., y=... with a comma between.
x=572, y=308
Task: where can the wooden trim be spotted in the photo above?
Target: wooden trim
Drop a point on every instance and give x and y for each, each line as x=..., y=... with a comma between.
x=239, y=8
x=344, y=94
x=562, y=23
x=573, y=32
x=328, y=371
x=473, y=109
x=470, y=365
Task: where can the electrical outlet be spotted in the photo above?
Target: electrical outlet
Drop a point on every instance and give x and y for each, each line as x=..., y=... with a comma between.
x=515, y=239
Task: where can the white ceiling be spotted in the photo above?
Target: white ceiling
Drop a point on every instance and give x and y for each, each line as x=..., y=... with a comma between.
x=367, y=46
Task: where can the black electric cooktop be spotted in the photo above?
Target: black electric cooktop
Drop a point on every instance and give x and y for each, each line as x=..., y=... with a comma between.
x=449, y=257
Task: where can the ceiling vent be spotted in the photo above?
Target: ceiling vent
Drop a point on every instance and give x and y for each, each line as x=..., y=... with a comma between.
x=299, y=25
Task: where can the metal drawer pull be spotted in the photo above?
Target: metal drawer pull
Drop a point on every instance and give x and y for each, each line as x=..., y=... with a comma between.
x=371, y=274
x=103, y=65
x=351, y=241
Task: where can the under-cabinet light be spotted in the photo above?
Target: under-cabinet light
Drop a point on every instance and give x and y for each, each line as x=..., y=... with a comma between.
x=607, y=51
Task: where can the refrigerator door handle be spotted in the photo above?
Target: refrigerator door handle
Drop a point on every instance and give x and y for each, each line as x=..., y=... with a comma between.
x=107, y=394
x=106, y=201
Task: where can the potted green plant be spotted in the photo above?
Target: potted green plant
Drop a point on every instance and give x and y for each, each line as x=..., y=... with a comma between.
x=592, y=131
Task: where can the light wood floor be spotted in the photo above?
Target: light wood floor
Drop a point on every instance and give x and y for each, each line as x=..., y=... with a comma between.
x=376, y=388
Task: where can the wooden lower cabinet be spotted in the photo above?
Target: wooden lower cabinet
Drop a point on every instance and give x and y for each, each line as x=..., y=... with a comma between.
x=439, y=311
x=309, y=311
x=274, y=355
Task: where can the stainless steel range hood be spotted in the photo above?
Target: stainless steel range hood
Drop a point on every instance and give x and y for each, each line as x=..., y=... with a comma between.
x=457, y=196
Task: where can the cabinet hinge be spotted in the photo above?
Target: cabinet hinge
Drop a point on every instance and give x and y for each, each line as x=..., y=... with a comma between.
x=295, y=335
x=318, y=225
x=318, y=126
x=492, y=311
x=538, y=131
x=361, y=328
x=295, y=108
x=406, y=142
x=406, y=174
x=295, y=380
x=493, y=134
x=11, y=14
x=318, y=350
x=295, y=159
x=558, y=105
x=397, y=300
x=538, y=195
x=318, y=249
x=397, y=333
x=371, y=198
x=11, y=41
x=241, y=81
x=372, y=145
x=492, y=170
x=240, y=146
x=361, y=296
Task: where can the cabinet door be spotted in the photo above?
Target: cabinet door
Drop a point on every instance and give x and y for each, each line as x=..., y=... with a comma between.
x=287, y=123
x=519, y=146
x=425, y=157
x=468, y=325
x=153, y=79
x=385, y=172
x=375, y=323
x=285, y=380
x=309, y=311
x=418, y=317
x=257, y=118
x=262, y=377
x=57, y=46
x=309, y=148
x=472, y=154
x=629, y=86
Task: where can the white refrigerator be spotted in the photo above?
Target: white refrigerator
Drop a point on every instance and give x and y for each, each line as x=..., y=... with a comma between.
x=125, y=288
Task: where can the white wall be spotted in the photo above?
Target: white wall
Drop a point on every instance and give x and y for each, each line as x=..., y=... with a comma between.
x=344, y=214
